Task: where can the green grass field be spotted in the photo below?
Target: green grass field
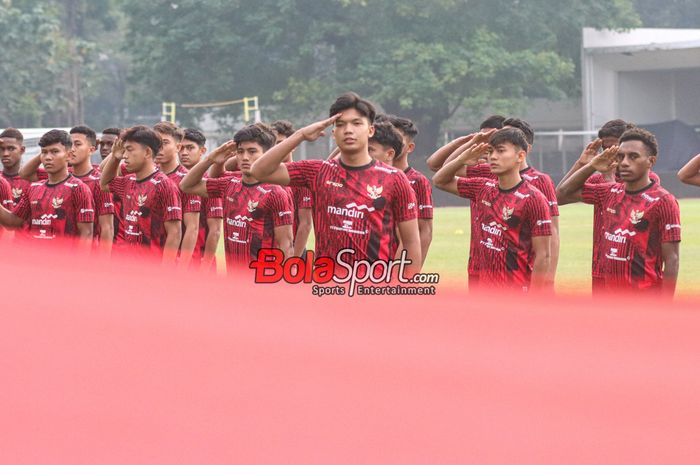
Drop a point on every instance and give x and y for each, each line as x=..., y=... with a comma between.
x=450, y=248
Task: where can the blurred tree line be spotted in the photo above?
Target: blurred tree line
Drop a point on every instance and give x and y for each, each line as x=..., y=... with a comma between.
x=69, y=61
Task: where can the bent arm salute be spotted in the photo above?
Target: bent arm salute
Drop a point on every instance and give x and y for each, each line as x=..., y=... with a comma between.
x=570, y=190
x=690, y=173
x=193, y=183
x=269, y=167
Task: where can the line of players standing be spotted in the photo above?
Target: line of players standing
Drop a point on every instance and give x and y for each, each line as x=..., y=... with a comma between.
x=365, y=196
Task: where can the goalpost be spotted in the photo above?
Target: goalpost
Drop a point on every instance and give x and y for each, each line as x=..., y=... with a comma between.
x=250, y=106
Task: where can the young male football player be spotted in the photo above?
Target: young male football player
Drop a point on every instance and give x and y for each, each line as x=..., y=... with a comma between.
x=641, y=227
x=151, y=206
x=211, y=215
x=61, y=205
x=359, y=203
x=11, y=150
x=258, y=215
x=168, y=162
x=513, y=239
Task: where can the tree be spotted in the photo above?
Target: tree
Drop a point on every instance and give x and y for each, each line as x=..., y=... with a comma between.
x=421, y=59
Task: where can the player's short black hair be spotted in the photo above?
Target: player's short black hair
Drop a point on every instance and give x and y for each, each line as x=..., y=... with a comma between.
x=511, y=135
x=643, y=136
x=524, y=126
x=56, y=136
x=387, y=135
x=89, y=134
x=113, y=131
x=493, y=122
x=352, y=100
x=196, y=136
x=258, y=132
x=169, y=129
x=404, y=125
x=283, y=127
x=145, y=136
x=12, y=133
x=614, y=128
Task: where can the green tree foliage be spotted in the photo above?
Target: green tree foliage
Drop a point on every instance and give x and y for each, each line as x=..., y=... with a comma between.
x=669, y=13
x=422, y=59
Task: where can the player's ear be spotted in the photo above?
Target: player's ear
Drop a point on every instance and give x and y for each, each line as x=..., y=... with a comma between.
x=22, y=149
x=411, y=147
x=371, y=130
x=391, y=154
x=652, y=160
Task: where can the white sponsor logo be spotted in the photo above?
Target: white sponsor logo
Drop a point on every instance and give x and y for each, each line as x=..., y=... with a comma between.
x=489, y=245
x=520, y=195
x=87, y=210
x=541, y=222
x=488, y=204
x=239, y=221
x=174, y=208
x=493, y=228
x=672, y=226
x=411, y=206
x=649, y=198
x=423, y=207
x=44, y=220
x=155, y=181
x=195, y=202
x=612, y=255
x=107, y=205
x=617, y=238
x=307, y=199
x=610, y=210
x=351, y=210
x=236, y=237
x=284, y=213
x=490, y=184
x=133, y=216
x=615, y=190
x=213, y=209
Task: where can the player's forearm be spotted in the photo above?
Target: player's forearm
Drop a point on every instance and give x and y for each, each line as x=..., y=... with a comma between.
x=29, y=169
x=217, y=169
x=437, y=159
x=189, y=241
x=445, y=177
x=540, y=271
x=212, y=241
x=194, y=177
x=567, y=190
x=671, y=267
x=111, y=167
x=106, y=231
x=690, y=173
x=230, y=165
x=554, y=253
x=301, y=239
x=266, y=165
x=171, y=246
x=425, y=231
x=9, y=219
x=577, y=166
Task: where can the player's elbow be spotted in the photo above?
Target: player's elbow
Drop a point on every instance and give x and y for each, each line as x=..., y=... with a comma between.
x=439, y=180
x=433, y=165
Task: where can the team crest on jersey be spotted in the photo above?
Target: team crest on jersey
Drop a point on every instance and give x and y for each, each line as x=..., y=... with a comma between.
x=57, y=202
x=374, y=192
x=636, y=216
x=252, y=206
x=16, y=192
x=142, y=199
x=507, y=213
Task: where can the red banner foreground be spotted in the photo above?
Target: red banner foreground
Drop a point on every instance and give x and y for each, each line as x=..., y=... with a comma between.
x=130, y=363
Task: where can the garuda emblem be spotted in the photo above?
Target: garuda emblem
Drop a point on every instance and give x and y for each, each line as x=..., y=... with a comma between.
x=507, y=213
x=252, y=206
x=636, y=216
x=57, y=202
x=16, y=192
x=142, y=199
x=374, y=192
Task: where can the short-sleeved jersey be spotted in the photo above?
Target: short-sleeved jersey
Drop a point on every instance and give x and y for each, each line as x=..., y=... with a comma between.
x=356, y=208
x=103, y=202
x=190, y=203
x=302, y=198
x=251, y=214
x=54, y=210
x=6, y=199
x=212, y=207
x=18, y=186
x=599, y=178
x=633, y=227
x=482, y=170
x=508, y=220
x=146, y=205
x=544, y=184
x=424, y=192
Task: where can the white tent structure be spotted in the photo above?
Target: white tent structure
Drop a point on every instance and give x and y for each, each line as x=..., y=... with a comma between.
x=645, y=76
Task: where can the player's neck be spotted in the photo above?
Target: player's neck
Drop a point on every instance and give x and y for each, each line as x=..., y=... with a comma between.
x=509, y=180
x=400, y=163
x=82, y=169
x=12, y=170
x=639, y=184
x=170, y=166
x=356, y=159
x=60, y=176
x=147, y=170
x=248, y=179
x=524, y=165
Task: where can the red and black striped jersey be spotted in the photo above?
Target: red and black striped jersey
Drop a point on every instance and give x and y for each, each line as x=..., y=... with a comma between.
x=424, y=192
x=54, y=210
x=212, y=207
x=356, y=208
x=6, y=199
x=104, y=204
x=505, y=225
x=251, y=214
x=146, y=205
x=633, y=227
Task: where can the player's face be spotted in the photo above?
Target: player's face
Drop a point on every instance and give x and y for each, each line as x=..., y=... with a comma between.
x=505, y=157
x=408, y=145
x=608, y=142
x=10, y=152
x=247, y=153
x=634, y=161
x=190, y=153
x=54, y=158
x=352, y=131
x=168, y=150
x=380, y=153
x=280, y=138
x=135, y=156
x=81, y=150
x=106, y=143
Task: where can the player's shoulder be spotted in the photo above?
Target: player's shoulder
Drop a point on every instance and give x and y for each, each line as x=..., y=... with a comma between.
x=658, y=193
